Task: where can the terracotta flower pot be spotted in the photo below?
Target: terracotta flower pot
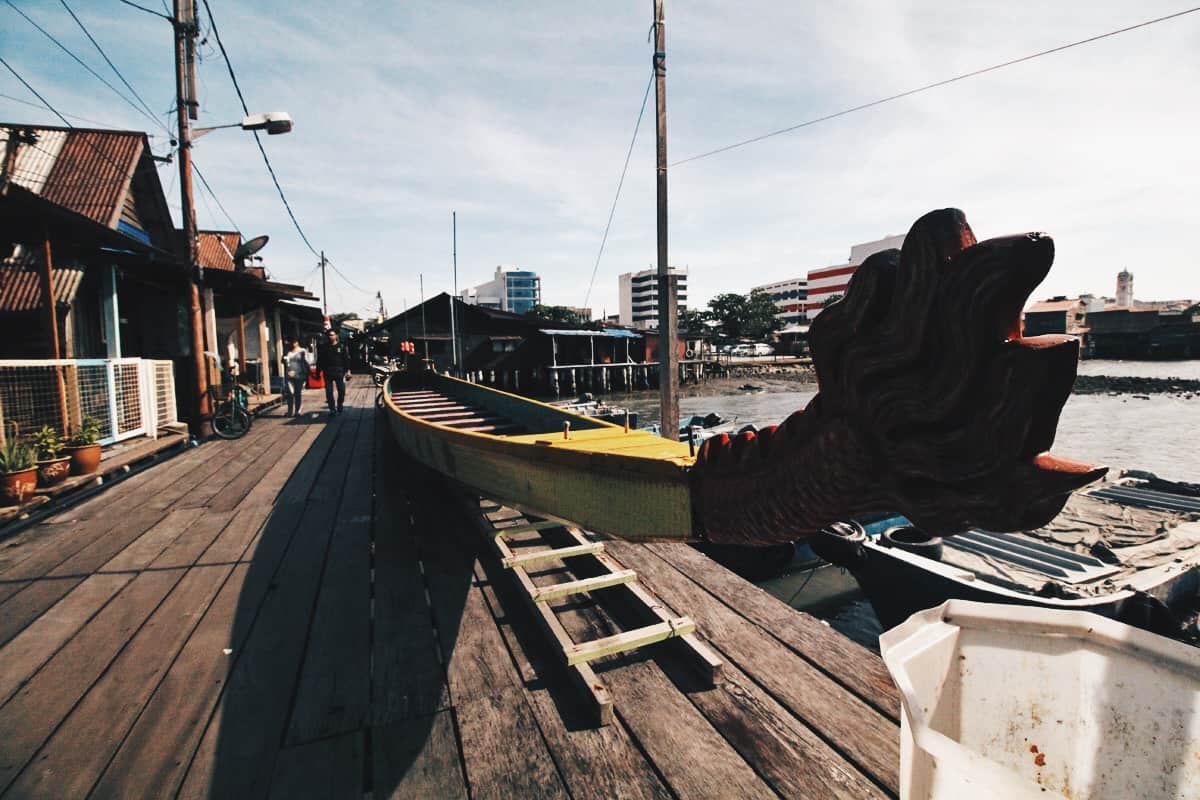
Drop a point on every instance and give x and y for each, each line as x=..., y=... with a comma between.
x=53, y=471
x=17, y=487
x=85, y=458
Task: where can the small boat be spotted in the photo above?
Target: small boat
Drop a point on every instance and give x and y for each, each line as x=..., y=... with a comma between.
x=1120, y=550
x=705, y=426
x=587, y=405
x=544, y=459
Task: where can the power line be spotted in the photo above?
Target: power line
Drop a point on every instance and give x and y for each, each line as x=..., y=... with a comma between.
x=72, y=116
x=80, y=61
x=213, y=194
x=352, y=284
x=604, y=239
x=936, y=85
x=34, y=91
x=212, y=23
x=113, y=67
x=147, y=10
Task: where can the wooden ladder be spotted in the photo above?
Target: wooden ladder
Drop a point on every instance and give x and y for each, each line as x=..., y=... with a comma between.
x=498, y=522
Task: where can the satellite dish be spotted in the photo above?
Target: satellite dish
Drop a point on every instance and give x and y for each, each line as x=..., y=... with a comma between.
x=251, y=247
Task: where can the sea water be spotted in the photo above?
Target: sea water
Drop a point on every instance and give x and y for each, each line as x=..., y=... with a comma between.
x=1158, y=432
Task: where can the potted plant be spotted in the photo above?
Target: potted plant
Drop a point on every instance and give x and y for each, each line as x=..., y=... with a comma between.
x=52, y=465
x=18, y=470
x=83, y=448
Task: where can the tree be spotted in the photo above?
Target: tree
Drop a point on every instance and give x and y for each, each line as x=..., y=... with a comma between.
x=833, y=298
x=740, y=316
x=557, y=315
x=337, y=319
x=693, y=320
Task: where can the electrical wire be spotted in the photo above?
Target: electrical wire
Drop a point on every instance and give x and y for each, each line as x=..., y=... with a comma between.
x=72, y=116
x=147, y=10
x=113, y=67
x=604, y=239
x=935, y=85
x=204, y=182
x=351, y=283
x=80, y=61
x=34, y=91
x=233, y=77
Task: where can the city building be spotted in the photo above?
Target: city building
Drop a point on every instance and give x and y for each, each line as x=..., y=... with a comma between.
x=1060, y=315
x=790, y=298
x=512, y=289
x=830, y=282
x=1124, y=288
x=638, y=294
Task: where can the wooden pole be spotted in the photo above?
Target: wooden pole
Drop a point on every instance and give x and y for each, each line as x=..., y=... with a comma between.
x=50, y=309
x=185, y=31
x=668, y=373
x=49, y=312
x=241, y=344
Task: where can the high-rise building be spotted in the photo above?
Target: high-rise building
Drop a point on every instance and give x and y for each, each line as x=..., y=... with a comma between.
x=512, y=289
x=1125, y=288
x=790, y=298
x=829, y=282
x=638, y=294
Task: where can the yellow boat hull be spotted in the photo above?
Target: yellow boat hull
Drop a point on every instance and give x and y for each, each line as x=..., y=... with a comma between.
x=629, y=484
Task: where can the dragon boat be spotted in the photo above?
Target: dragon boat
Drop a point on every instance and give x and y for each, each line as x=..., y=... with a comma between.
x=931, y=405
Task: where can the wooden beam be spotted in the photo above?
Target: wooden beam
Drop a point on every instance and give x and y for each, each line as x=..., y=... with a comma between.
x=544, y=594
x=49, y=312
x=525, y=559
x=241, y=343
x=629, y=640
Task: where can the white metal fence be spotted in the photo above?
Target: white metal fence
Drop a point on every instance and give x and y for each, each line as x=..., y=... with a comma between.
x=127, y=396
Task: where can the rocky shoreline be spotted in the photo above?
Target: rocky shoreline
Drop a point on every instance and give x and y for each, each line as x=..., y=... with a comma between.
x=801, y=377
x=1112, y=384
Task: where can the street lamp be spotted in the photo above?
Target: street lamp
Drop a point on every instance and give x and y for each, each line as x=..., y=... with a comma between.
x=273, y=122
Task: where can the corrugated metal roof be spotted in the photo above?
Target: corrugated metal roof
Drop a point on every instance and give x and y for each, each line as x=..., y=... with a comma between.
x=21, y=288
x=85, y=171
x=1052, y=305
x=216, y=249
x=615, y=333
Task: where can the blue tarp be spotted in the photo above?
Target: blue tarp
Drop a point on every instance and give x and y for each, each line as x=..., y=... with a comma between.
x=615, y=333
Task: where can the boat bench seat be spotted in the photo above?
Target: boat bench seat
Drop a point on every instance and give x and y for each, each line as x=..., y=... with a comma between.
x=451, y=413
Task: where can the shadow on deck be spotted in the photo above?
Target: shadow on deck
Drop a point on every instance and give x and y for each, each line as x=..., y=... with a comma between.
x=301, y=613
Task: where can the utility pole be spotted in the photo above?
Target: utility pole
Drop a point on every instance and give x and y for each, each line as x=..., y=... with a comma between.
x=324, y=299
x=185, y=108
x=454, y=252
x=668, y=361
x=424, y=331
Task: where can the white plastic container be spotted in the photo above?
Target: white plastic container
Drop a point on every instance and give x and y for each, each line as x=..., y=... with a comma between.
x=1011, y=701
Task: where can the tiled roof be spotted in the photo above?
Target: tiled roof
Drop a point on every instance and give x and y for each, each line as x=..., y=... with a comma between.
x=86, y=171
x=216, y=249
x=21, y=288
x=1052, y=305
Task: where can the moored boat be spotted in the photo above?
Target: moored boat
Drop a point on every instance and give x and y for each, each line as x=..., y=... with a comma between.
x=544, y=459
x=1119, y=550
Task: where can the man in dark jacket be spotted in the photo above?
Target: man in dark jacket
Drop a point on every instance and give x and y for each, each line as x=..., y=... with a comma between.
x=333, y=364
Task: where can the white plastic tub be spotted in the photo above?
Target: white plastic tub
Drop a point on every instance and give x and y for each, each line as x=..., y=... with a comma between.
x=1013, y=701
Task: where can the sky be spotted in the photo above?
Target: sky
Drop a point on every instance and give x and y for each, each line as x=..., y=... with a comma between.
x=518, y=116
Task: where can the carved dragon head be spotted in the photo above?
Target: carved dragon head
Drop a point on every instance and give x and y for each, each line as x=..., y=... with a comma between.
x=930, y=403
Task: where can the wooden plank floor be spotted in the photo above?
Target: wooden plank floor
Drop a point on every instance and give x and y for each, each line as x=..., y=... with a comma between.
x=305, y=613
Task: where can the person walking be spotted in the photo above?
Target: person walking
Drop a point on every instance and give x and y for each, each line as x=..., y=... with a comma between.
x=295, y=373
x=334, y=365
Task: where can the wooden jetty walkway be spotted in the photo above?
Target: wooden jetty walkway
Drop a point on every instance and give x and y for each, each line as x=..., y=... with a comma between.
x=304, y=613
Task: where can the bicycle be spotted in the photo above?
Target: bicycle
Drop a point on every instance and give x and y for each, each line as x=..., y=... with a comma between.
x=231, y=415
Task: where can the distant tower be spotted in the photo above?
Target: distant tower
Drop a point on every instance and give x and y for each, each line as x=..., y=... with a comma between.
x=1125, y=288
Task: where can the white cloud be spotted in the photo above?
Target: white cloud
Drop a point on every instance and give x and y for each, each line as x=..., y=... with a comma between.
x=518, y=117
